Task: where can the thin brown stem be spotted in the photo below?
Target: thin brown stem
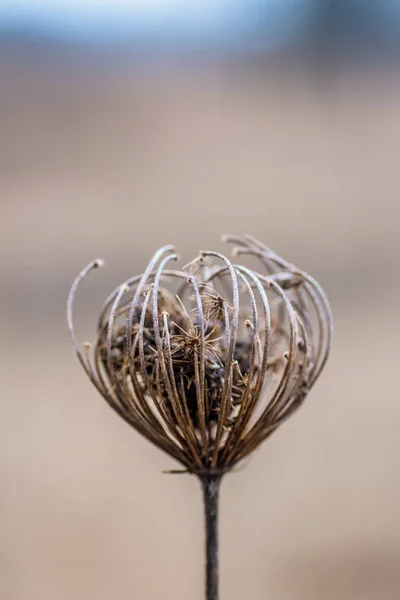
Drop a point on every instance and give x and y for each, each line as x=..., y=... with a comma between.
x=211, y=484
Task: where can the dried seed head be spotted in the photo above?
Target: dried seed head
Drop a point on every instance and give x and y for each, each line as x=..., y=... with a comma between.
x=206, y=362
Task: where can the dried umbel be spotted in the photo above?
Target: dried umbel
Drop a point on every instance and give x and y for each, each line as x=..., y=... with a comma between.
x=207, y=361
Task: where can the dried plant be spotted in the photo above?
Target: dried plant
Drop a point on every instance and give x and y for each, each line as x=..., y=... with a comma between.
x=208, y=361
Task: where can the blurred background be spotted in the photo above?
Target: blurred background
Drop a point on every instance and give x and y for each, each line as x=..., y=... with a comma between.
x=127, y=124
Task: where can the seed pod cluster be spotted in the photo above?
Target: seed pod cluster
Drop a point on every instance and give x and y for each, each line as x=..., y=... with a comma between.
x=208, y=360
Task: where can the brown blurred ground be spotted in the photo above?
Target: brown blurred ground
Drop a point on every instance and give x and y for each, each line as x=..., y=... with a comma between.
x=103, y=160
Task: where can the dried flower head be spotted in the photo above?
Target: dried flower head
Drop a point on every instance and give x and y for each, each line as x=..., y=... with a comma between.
x=207, y=361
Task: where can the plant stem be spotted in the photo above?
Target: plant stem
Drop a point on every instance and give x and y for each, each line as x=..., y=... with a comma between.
x=211, y=484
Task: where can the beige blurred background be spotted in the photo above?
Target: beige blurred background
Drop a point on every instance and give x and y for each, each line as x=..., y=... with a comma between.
x=105, y=156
